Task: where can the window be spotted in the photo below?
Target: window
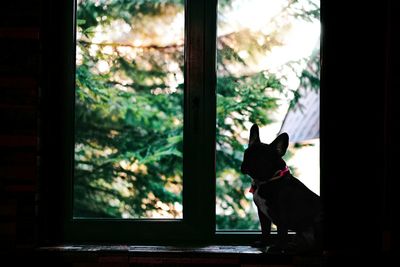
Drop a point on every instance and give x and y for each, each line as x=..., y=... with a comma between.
x=267, y=73
x=129, y=53
x=146, y=101
x=129, y=110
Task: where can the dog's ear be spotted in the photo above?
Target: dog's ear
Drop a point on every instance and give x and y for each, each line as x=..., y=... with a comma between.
x=254, y=135
x=281, y=143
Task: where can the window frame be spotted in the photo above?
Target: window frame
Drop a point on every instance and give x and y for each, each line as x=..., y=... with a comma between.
x=198, y=223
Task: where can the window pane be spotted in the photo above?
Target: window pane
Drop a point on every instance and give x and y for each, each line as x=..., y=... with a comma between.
x=267, y=73
x=129, y=109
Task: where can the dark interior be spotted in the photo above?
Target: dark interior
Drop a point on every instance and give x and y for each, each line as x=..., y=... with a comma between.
x=358, y=143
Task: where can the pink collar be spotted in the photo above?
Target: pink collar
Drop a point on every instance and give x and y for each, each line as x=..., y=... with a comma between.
x=279, y=174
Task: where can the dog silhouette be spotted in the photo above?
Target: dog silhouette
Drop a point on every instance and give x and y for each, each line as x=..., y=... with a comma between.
x=280, y=197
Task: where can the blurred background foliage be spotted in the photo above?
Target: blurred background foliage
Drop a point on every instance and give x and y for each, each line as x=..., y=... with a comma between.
x=129, y=106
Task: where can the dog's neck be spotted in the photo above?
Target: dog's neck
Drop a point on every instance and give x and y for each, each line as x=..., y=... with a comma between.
x=279, y=174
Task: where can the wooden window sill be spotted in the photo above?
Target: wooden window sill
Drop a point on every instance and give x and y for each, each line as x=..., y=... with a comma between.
x=126, y=255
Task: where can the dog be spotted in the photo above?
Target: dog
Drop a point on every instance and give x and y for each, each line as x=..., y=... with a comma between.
x=280, y=197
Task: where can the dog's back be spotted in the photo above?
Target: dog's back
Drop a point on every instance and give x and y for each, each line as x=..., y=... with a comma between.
x=294, y=204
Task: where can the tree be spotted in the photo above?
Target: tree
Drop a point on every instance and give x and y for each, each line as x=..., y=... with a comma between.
x=128, y=109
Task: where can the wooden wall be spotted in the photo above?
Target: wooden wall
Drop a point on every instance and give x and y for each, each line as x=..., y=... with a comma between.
x=20, y=72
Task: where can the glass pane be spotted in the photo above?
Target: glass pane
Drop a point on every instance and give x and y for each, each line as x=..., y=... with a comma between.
x=129, y=109
x=267, y=73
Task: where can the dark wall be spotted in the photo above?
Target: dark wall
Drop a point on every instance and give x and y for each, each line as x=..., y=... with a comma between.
x=357, y=125
x=357, y=122
x=20, y=75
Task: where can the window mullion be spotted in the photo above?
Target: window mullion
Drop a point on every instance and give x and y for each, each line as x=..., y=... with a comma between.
x=200, y=108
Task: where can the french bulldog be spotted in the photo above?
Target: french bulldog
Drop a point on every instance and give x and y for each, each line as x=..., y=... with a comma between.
x=280, y=197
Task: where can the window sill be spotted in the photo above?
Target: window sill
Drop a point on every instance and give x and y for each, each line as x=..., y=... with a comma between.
x=126, y=255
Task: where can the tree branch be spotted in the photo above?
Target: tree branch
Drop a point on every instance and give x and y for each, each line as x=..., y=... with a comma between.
x=147, y=47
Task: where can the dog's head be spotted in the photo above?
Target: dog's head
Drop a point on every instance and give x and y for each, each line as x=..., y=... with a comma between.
x=262, y=161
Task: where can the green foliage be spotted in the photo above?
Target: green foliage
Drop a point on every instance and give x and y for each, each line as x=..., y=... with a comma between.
x=129, y=115
x=128, y=152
